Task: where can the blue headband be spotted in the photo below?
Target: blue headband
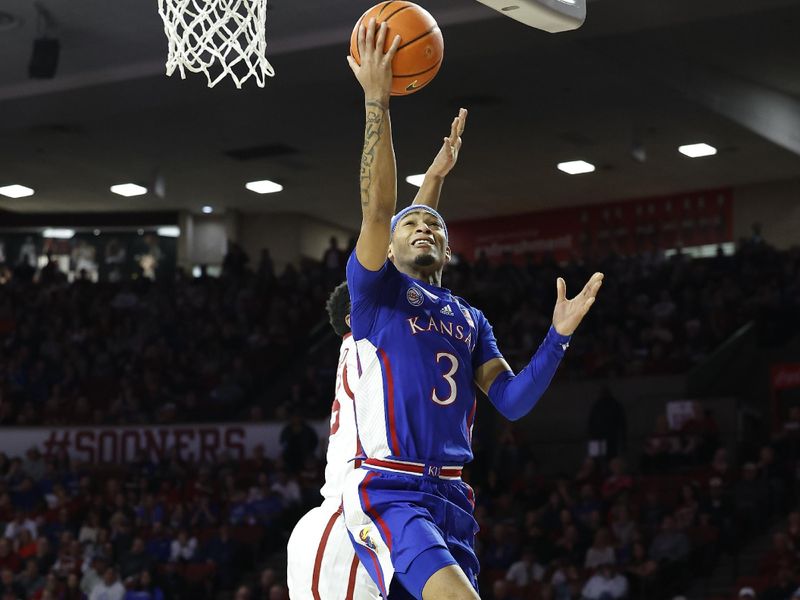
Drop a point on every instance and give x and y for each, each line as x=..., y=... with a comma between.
x=414, y=208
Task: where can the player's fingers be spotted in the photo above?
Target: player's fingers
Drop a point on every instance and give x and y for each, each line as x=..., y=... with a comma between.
x=593, y=280
x=393, y=48
x=361, y=40
x=353, y=65
x=587, y=305
x=454, y=130
x=561, y=290
x=381, y=37
x=462, y=120
x=370, y=38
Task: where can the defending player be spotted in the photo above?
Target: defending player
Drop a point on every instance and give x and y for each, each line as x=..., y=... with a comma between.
x=321, y=562
x=421, y=353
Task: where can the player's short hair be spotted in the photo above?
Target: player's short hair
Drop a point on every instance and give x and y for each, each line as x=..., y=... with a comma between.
x=338, y=307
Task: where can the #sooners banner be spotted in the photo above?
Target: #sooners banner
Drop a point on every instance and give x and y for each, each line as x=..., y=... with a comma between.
x=630, y=226
x=121, y=444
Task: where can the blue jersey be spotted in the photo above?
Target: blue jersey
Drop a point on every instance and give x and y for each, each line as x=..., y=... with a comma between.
x=418, y=349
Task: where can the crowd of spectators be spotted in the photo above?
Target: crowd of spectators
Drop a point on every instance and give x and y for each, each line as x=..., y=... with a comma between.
x=200, y=348
x=607, y=532
x=167, y=529
x=149, y=530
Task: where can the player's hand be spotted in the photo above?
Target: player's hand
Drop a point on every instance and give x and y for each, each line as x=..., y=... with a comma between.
x=568, y=314
x=447, y=156
x=375, y=71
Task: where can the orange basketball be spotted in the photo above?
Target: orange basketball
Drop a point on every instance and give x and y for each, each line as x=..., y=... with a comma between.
x=421, y=48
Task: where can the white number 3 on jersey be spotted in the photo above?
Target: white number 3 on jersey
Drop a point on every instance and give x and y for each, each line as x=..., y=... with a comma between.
x=448, y=377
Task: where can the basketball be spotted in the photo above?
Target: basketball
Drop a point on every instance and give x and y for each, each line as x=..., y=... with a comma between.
x=421, y=48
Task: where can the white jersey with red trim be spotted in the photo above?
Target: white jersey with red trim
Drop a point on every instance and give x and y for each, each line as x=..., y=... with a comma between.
x=343, y=440
x=321, y=562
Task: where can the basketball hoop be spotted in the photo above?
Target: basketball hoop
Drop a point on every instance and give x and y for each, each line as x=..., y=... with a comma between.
x=217, y=38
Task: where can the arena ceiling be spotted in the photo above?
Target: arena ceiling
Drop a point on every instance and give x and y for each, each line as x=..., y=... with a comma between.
x=641, y=74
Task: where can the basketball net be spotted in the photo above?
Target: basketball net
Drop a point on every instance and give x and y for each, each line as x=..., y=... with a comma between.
x=218, y=38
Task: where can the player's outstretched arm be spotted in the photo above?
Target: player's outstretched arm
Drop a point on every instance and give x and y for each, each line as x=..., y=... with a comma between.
x=444, y=161
x=378, y=170
x=515, y=395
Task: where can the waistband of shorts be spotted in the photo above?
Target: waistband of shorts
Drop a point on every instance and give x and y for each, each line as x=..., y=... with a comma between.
x=419, y=469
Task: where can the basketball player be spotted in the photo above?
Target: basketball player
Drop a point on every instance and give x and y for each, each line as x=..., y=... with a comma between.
x=422, y=352
x=321, y=562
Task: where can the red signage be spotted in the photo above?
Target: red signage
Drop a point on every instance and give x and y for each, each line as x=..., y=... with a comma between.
x=785, y=376
x=625, y=227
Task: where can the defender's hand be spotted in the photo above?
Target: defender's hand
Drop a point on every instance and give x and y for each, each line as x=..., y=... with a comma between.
x=375, y=71
x=568, y=314
x=447, y=157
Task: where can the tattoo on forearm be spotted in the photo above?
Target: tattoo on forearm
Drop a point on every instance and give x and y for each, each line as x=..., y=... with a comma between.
x=372, y=135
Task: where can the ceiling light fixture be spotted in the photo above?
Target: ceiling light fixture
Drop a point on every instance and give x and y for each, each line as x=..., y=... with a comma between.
x=697, y=150
x=207, y=210
x=576, y=167
x=16, y=191
x=264, y=186
x=128, y=189
x=416, y=179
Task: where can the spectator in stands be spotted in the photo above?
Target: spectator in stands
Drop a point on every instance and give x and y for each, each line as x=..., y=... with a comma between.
x=747, y=593
x=526, y=571
x=333, y=259
x=287, y=488
x=608, y=423
x=501, y=549
x=772, y=472
x=159, y=545
x=9, y=585
x=750, y=496
x=298, y=441
x=21, y=521
x=70, y=557
x=109, y=588
x=278, y=592
x=72, y=589
x=587, y=504
x=223, y=552
x=642, y=572
x=144, y=588
x=44, y=555
x=265, y=582
x=8, y=558
x=94, y=574
x=606, y=584
x=617, y=482
x=30, y=579
x=570, y=547
x=243, y=593
x=601, y=552
x=135, y=560
x=661, y=448
x=622, y=526
x=782, y=588
x=688, y=507
x=670, y=545
x=503, y=591
x=782, y=555
x=183, y=547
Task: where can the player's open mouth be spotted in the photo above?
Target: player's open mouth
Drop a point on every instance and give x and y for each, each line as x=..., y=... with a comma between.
x=423, y=243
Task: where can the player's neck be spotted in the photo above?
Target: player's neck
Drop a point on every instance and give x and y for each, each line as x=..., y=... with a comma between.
x=431, y=278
